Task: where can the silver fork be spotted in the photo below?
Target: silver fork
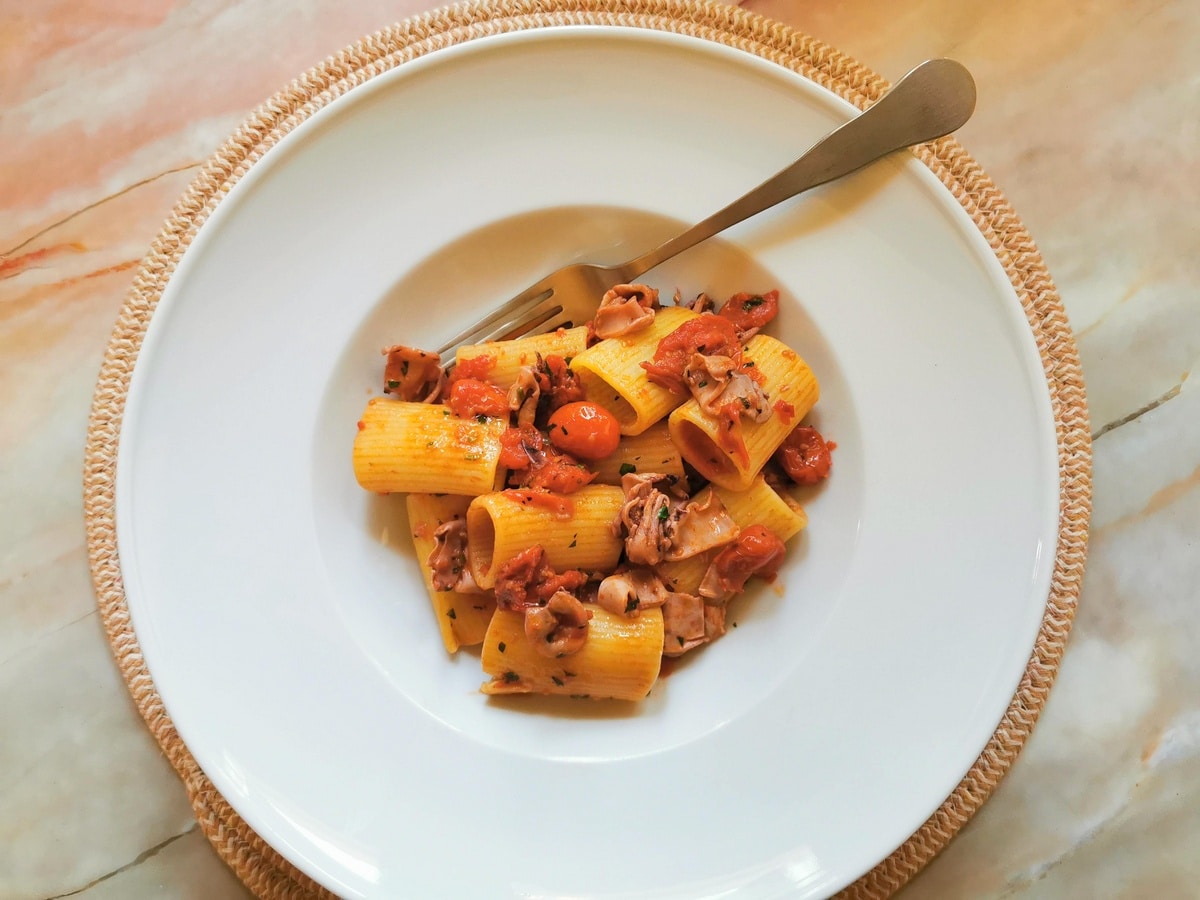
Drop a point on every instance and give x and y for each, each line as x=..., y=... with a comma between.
x=934, y=99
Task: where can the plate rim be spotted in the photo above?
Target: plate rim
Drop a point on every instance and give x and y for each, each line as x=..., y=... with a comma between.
x=255, y=862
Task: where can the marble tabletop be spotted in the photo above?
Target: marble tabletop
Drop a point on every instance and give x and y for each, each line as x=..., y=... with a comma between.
x=1087, y=119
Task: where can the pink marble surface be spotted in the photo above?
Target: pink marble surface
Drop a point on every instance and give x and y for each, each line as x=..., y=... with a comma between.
x=1087, y=119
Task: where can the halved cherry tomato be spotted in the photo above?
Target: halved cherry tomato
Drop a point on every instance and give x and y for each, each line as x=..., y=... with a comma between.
x=559, y=473
x=584, y=430
x=747, y=311
x=470, y=397
x=756, y=551
x=805, y=455
x=707, y=334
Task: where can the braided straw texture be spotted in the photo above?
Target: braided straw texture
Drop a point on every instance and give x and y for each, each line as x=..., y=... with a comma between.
x=261, y=868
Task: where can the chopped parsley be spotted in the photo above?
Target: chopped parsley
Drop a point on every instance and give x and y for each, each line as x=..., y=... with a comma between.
x=481, y=418
x=392, y=384
x=502, y=646
x=557, y=680
x=404, y=367
x=573, y=540
x=451, y=613
x=511, y=676
x=752, y=302
x=663, y=513
x=627, y=468
x=631, y=604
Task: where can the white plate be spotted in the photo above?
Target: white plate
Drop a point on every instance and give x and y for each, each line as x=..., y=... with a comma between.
x=295, y=650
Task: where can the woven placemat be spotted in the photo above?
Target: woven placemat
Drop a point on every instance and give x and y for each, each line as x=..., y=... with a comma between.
x=260, y=867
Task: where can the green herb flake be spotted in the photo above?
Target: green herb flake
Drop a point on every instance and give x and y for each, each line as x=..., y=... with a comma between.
x=748, y=364
x=573, y=540
x=511, y=676
x=451, y=613
x=631, y=604
x=627, y=468
x=567, y=360
x=404, y=367
x=481, y=418
x=663, y=514
x=557, y=680
x=392, y=384
x=752, y=302
x=502, y=646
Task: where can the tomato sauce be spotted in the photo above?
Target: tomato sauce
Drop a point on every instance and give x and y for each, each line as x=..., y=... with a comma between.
x=470, y=397
x=708, y=335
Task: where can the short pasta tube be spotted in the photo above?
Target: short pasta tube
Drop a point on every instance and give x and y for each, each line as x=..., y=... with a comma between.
x=507, y=357
x=423, y=448
x=683, y=576
x=462, y=619
x=761, y=504
x=575, y=530
x=620, y=659
x=651, y=451
x=612, y=375
x=792, y=388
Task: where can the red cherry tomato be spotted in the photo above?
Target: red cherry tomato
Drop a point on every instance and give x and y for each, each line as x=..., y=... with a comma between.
x=584, y=430
x=805, y=456
x=748, y=311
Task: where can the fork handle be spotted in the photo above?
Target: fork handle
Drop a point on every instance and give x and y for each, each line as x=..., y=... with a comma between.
x=932, y=100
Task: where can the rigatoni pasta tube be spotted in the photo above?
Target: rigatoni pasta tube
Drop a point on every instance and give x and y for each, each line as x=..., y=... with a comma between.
x=462, y=619
x=509, y=356
x=423, y=448
x=575, y=530
x=787, y=379
x=684, y=575
x=761, y=504
x=612, y=375
x=619, y=660
x=651, y=451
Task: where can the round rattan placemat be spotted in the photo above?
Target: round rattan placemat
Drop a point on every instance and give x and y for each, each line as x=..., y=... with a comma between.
x=260, y=867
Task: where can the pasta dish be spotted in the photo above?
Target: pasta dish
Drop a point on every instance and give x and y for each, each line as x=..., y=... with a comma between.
x=587, y=502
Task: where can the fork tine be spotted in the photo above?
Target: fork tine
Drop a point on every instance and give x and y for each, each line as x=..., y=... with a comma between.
x=515, y=321
x=524, y=301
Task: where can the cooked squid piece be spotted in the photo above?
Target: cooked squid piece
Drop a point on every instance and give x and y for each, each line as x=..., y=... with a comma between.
x=619, y=659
